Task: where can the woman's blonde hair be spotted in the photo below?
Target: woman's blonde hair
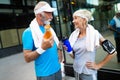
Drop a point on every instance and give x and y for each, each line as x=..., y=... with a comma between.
x=84, y=14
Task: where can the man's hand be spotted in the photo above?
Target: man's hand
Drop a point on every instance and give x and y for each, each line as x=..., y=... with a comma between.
x=47, y=43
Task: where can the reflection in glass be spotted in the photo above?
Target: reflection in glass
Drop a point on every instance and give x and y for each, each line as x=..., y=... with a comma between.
x=93, y=2
x=9, y=38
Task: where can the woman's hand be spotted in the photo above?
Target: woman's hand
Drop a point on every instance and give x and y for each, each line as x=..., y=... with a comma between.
x=93, y=65
x=64, y=47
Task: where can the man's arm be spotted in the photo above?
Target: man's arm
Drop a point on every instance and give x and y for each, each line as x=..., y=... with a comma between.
x=111, y=28
x=30, y=55
x=60, y=53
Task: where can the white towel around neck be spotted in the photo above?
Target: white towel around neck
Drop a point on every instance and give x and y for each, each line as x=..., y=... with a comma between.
x=92, y=38
x=38, y=35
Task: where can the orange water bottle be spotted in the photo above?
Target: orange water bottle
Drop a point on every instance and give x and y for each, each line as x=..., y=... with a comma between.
x=48, y=33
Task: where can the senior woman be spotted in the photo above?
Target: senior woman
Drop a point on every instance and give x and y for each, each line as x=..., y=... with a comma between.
x=84, y=40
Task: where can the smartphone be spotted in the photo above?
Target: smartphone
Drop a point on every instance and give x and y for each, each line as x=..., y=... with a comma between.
x=108, y=46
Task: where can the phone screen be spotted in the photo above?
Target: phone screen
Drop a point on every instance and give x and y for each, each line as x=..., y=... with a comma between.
x=109, y=46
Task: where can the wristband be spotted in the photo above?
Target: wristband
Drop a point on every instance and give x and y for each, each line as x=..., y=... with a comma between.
x=40, y=50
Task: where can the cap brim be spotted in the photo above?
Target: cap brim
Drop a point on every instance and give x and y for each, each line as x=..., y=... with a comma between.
x=50, y=10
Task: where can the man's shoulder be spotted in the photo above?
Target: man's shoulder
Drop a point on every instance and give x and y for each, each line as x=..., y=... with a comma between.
x=113, y=20
x=27, y=30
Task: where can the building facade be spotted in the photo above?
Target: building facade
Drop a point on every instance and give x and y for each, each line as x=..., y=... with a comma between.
x=15, y=16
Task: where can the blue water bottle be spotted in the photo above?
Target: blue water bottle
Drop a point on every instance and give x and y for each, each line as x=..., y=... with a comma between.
x=67, y=44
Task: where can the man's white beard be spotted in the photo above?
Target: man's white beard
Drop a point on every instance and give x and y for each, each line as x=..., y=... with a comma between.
x=47, y=22
x=44, y=19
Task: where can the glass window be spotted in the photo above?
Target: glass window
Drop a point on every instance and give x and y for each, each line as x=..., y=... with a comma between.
x=0, y=42
x=4, y=1
x=20, y=31
x=9, y=38
x=16, y=2
x=6, y=11
x=65, y=17
x=31, y=2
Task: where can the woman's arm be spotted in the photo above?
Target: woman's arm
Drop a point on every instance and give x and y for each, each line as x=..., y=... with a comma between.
x=99, y=65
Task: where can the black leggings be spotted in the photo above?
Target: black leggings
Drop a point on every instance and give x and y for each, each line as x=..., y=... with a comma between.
x=117, y=41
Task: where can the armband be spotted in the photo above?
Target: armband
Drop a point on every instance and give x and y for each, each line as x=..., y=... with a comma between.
x=108, y=47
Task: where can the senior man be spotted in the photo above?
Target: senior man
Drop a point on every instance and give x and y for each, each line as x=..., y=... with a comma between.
x=45, y=53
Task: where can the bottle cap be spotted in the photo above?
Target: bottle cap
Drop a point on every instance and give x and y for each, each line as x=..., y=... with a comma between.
x=47, y=26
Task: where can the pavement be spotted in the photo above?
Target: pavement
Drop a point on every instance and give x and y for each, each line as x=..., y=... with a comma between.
x=14, y=67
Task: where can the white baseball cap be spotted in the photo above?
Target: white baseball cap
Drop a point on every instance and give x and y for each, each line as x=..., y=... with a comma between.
x=46, y=8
